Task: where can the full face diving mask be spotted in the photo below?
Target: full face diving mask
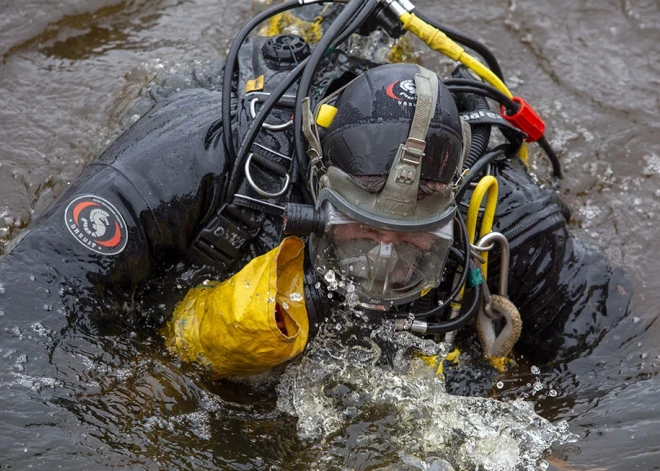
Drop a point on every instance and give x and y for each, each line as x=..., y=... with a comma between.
x=386, y=248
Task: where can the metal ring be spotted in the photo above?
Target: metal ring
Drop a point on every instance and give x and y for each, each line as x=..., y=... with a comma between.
x=254, y=186
x=270, y=127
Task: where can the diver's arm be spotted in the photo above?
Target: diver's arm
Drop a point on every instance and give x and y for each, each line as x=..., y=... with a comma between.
x=565, y=289
x=151, y=189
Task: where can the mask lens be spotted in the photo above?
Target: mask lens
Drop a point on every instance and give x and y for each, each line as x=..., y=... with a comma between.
x=383, y=267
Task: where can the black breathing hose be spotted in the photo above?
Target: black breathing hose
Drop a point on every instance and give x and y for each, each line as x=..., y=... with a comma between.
x=472, y=102
x=480, y=165
x=230, y=66
x=484, y=89
x=274, y=97
x=550, y=152
x=469, y=312
x=335, y=29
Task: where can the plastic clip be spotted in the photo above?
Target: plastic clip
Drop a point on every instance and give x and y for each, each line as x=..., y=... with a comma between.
x=525, y=119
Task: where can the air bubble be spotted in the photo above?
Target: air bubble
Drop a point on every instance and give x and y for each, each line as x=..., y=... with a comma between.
x=329, y=276
x=500, y=385
x=552, y=393
x=535, y=370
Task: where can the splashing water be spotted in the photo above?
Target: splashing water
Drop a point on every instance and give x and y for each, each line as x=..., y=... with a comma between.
x=367, y=398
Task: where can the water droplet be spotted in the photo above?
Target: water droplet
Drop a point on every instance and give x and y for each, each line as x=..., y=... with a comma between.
x=352, y=300
x=246, y=283
x=47, y=307
x=317, y=285
x=552, y=393
x=538, y=385
x=500, y=385
x=2, y=313
x=535, y=370
x=285, y=305
x=350, y=288
x=297, y=297
x=32, y=278
x=271, y=300
x=636, y=319
x=329, y=276
x=206, y=282
x=179, y=286
x=329, y=295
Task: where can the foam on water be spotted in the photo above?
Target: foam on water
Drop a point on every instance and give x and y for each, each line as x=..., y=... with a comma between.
x=374, y=382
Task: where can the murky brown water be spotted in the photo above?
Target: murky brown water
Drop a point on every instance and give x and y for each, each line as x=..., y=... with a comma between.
x=591, y=67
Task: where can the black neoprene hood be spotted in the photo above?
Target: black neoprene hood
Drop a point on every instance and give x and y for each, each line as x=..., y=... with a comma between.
x=373, y=119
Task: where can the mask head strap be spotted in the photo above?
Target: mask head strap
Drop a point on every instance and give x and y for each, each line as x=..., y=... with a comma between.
x=399, y=196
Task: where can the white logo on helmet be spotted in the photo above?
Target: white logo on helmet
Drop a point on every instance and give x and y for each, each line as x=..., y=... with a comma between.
x=408, y=86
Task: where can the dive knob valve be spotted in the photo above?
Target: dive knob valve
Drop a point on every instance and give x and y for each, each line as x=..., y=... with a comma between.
x=286, y=49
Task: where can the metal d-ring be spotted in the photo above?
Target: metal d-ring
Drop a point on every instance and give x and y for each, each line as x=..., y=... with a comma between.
x=270, y=127
x=256, y=188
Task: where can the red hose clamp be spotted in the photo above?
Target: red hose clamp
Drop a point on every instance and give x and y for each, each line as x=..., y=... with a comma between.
x=525, y=119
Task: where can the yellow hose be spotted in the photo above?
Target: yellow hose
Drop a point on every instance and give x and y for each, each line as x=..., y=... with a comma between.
x=438, y=41
x=487, y=185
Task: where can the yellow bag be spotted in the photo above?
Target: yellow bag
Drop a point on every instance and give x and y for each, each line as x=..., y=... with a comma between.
x=232, y=327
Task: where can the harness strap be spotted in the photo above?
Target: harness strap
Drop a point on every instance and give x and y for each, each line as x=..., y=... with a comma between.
x=264, y=190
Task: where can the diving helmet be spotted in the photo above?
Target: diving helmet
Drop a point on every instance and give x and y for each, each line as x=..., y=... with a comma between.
x=385, y=149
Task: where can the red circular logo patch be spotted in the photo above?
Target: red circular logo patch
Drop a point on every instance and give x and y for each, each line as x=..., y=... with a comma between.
x=403, y=91
x=96, y=224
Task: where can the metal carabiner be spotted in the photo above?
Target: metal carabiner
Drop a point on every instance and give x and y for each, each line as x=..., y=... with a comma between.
x=497, y=307
x=483, y=245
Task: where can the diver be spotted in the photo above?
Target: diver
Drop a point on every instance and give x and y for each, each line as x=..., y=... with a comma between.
x=311, y=179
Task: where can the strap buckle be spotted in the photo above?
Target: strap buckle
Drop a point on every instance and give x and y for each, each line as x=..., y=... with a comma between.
x=220, y=240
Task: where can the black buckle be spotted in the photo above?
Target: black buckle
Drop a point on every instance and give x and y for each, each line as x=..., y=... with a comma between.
x=220, y=241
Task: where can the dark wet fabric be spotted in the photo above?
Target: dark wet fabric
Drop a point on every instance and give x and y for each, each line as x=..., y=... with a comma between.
x=161, y=175
x=567, y=293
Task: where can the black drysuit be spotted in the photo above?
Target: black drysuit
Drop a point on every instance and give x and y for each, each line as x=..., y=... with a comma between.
x=164, y=177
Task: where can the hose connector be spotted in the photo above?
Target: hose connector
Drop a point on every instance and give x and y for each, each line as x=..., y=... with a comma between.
x=417, y=327
x=526, y=119
x=396, y=7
